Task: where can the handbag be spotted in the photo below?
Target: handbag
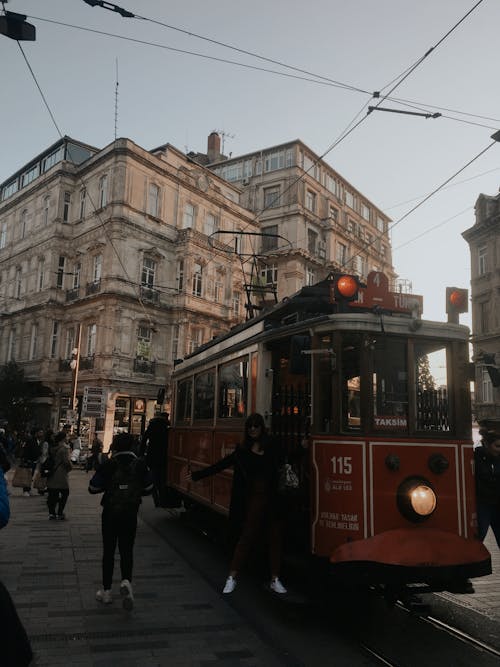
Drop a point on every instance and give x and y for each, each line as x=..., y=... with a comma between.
x=288, y=480
x=22, y=477
x=39, y=482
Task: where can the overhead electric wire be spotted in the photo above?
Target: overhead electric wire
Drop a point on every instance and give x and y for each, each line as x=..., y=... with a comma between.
x=433, y=228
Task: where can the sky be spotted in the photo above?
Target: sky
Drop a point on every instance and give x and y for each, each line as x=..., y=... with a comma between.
x=165, y=95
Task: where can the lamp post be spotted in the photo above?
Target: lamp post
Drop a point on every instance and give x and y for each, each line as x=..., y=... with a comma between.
x=75, y=365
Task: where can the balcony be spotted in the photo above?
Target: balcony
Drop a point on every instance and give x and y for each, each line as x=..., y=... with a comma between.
x=144, y=366
x=93, y=288
x=86, y=363
x=149, y=294
x=73, y=294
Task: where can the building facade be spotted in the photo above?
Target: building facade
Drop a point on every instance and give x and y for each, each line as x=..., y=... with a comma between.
x=484, y=243
x=107, y=258
x=314, y=220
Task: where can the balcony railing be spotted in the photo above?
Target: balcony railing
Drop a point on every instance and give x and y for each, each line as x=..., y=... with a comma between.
x=86, y=363
x=150, y=294
x=144, y=366
x=72, y=294
x=93, y=288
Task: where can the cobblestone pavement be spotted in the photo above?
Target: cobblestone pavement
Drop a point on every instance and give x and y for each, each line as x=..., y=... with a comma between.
x=52, y=570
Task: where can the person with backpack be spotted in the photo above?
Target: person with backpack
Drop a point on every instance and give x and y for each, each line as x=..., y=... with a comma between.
x=56, y=468
x=123, y=479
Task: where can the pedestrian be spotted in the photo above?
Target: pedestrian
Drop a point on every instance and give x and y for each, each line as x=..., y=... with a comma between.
x=94, y=459
x=155, y=448
x=30, y=454
x=15, y=649
x=123, y=479
x=487, y=473
x=254, y=499
x=57, y=479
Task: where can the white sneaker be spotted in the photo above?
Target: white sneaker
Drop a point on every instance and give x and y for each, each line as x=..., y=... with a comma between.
x=277, y=587
x=230, y=585
x=127, y=595
x=104, y=596
x=26, y=494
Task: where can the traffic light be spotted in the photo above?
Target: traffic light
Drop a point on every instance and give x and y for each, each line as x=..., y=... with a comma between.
x=14, y=26
x=457, y=301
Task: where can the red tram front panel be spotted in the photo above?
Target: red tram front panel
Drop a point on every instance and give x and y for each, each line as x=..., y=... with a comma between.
x=340, y=500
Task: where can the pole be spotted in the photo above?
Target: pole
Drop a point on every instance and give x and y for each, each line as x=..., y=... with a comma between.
x=75, y=365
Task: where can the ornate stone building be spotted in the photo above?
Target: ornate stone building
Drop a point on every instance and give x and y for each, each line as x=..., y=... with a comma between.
x=484, y=243
x=107, y=255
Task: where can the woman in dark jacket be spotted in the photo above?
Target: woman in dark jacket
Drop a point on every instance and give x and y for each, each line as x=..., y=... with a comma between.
x=253, y=498
x=487, y=472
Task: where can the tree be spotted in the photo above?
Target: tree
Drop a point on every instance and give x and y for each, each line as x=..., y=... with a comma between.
x=16, y=395
x=425, y=379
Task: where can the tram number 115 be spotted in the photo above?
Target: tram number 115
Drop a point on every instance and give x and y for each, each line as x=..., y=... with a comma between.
x=341, y=465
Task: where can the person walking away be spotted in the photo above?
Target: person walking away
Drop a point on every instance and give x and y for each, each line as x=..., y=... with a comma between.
x=15, y=650
x=155, y=447
x=57, y=479
x=95, y=451
x=123, y=479
x=30, y=455
x=253, y=499
x=39, y=481
x=487, y=473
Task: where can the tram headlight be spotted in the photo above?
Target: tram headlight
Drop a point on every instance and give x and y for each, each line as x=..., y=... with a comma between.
x=416, y=499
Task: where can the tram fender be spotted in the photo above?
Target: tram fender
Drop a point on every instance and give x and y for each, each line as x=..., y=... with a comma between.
x=420, y=547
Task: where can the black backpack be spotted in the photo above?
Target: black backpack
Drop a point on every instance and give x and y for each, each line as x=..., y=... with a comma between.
x=125, y=489
x=48, y=467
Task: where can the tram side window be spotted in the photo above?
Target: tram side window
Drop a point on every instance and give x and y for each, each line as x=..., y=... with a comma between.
x=390, y=385
x=233, y=387
x=184, y=401
x=431, y=391
x=351, y=381
x=204, y=395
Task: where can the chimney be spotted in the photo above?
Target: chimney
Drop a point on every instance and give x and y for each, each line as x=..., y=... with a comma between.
x=213, y=151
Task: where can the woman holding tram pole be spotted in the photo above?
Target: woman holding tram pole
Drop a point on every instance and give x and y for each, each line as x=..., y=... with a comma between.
x=254, y=501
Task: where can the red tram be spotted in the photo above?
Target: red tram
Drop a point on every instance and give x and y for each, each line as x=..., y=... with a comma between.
x=383, y=397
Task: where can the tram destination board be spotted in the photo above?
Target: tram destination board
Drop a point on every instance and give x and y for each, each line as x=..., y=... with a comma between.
x=94, y=402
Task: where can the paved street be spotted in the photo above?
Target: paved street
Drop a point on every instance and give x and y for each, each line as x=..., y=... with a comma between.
x=52, y=570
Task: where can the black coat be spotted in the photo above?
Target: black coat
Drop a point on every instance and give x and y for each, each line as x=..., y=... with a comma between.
x=487, y=471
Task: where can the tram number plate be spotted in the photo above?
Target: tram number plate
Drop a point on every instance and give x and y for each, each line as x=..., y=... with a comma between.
x=341, y=465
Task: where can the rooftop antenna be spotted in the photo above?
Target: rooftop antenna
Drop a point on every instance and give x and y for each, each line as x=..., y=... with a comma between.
x=224, y=135
x=116, y=100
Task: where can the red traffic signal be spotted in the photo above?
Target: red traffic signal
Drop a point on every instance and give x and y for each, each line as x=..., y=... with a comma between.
x=457, y=301
x=344, y=288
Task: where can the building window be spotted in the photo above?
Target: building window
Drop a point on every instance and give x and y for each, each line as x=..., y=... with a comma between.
x=154, y=200
x=188, y=218
x=148, y=272
x=218, y=291
x=380, y=224
x=18, y=282
x=45, y=210
x=33, y=341
x=103, y=191
x=486, y=387
x=60, y=272
x=54, y=339
x=482, y=263
x=349, y=199
x=195, y=340
x=77, y=270
x=312, y=241
x=24, y=223
x=66, y=206
x=70, y=342
x=365, y=212
x=30, y=175
x=97, y=268
x=91, y=339
x=334, y=213
x=180, y=275
x=271, y=197
x=310, y=276
x=483, y=309
x=11, y=347
x=210, y=224
x=342, y=254
x=3, y=235
x=236, y=303
x=144, y=343
x=175, y=342
x=311, y=201
x=270, y=238
x=269, y=274
x=41, y=273
x=83, y=202
x=197, y=279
